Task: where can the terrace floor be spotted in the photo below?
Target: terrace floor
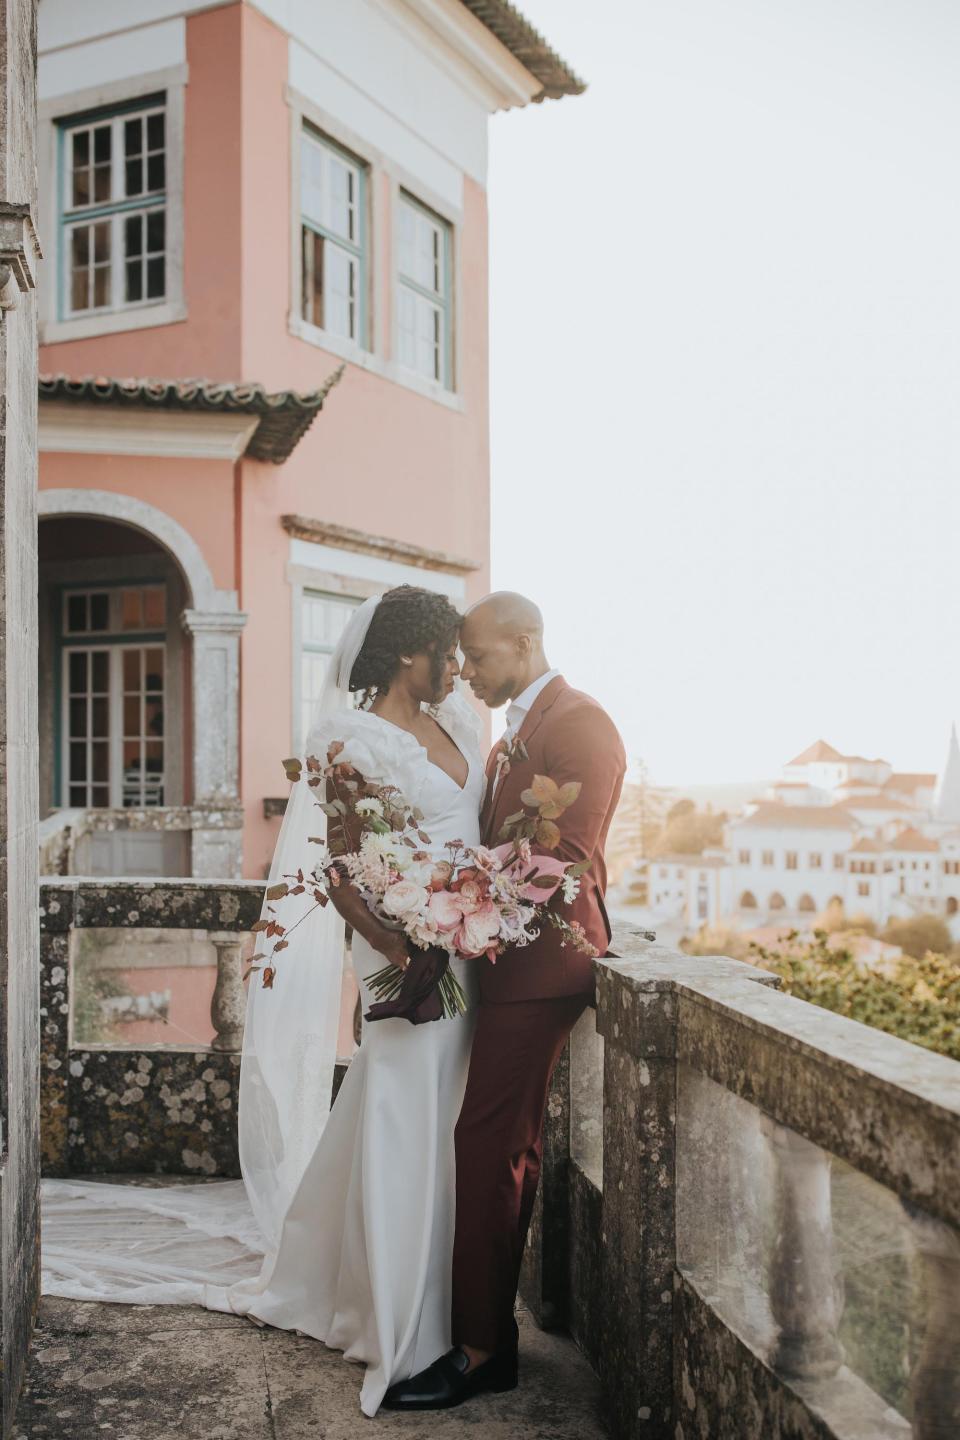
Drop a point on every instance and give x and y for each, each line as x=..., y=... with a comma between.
x=133, y=1372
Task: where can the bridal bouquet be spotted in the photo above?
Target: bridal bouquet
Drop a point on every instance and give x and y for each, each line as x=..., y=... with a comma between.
x=474, y=902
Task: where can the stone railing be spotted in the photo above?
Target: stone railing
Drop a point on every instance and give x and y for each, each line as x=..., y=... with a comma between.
x=202, y=840
x=750, y=1211
x=169, y=1108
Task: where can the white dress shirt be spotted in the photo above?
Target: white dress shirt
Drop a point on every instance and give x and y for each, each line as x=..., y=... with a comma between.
x=519, y=709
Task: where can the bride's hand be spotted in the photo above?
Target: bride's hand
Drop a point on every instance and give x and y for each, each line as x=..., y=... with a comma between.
x=393, y=947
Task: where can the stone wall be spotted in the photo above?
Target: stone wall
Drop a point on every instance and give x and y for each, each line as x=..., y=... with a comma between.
x=19, y=944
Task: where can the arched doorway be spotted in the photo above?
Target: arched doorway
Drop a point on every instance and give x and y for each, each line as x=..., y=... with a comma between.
x=748, y=901
x=952, y=904
x=806, y=905
x=129, y=615
x=777, y=901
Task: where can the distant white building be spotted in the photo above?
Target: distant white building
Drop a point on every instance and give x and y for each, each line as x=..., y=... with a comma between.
x=834, y=829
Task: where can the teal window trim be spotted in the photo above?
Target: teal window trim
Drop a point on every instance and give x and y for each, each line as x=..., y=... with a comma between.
x=66, y=218
x=444, y=302
x=88, y=640
x=360, y=250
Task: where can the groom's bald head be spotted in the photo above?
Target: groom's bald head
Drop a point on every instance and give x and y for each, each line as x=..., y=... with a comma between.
x=502, y=643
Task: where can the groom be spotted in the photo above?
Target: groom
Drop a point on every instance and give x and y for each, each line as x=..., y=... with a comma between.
x=531, y=998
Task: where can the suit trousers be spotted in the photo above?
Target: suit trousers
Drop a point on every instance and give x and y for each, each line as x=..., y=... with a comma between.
x=498, y=1149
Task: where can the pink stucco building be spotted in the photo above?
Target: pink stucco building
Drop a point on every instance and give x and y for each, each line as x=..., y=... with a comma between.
x=287, y=199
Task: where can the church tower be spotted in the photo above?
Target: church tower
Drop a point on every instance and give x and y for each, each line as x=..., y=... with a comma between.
x=947, y=803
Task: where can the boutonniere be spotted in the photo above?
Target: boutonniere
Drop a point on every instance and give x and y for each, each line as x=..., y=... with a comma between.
x=512, y=752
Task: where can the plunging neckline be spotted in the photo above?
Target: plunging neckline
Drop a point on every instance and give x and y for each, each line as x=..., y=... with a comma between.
x=465, y=758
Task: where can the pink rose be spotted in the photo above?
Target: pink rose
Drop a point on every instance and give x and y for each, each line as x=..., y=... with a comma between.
x=441, y=875
x=472, y=896
x=446, y=909
x=479, y=930
x=404, y=899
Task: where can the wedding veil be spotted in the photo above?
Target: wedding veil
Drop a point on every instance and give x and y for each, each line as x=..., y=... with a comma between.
x=290, y=1039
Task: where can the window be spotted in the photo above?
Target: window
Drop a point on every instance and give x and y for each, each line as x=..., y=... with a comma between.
x=791, y=859
x=863, y=887
x=333, y=237
x=743, y=857
x=766, y=857
x=839, y=860
x=113, y=696
x=113, y=209
x=424, y=327
x=323, y=618
x=815, y=860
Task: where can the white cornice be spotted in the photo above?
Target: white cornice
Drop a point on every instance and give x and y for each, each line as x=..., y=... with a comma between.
x=499, y=79
x=175, y=434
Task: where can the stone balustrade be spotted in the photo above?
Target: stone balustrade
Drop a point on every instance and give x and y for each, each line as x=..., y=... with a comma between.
x=749, y=1215
x=751, y=1210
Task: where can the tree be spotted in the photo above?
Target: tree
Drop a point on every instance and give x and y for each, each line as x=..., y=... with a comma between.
x=916, y=934
x=640, y=818
x=917, y=999
x=689, y=831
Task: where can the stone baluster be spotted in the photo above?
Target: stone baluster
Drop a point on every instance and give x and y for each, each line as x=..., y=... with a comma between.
x=228, y=1006
x=935, y=1378
x=804, y=1296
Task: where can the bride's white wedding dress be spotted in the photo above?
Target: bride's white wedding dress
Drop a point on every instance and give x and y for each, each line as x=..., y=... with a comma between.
x=362, y=1258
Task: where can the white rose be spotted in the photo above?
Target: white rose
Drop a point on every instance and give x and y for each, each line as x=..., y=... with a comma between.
x=404, y=900
x=369, y=806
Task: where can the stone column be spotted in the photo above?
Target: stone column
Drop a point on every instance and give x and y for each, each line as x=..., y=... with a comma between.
x=19, y=797
x=935, y=1379
x=228, y=1006
x=804, y=1294
x=215, y=701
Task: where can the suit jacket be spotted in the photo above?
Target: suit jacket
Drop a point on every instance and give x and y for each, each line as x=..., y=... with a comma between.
x=567, y=736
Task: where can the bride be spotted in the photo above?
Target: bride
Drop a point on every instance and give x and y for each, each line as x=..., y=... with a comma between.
x=354, y=1205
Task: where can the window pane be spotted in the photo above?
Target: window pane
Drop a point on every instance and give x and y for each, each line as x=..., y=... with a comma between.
x=101, y=287
x=153, y=716
x=78, y=717
x=99, y=612
x=133, y=136
x=131, y=609
x=78, y=794
x=101, y=760
x=133, y=235
x=101, y=671
x=134, y=177
x=156, y=172
x=340, y=299
x=407, y=327
x=78, y=761
x=156, y=230
x=76, y=612
x=131, y=670
x=100, y=796
x=78, y=673
x=81, y=148
x=312, y=277
x=102, y=144
x=342, y=219
x=101, y=242
x=156, y=278
x=131, y=714
x=153, y=660
x=133, y=289
x=154, y=608
x=312, y=159
x=80, y=190
x=80, y=246
x=101, y=716
x=79, y=290
x=101, y=184
x=156, y=131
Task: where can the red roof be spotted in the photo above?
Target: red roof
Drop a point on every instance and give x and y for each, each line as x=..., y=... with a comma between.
x=913, y=840
x=771, y=815
x=866, y=846
x=910, y=780
x=820, y=750
x=874, y=802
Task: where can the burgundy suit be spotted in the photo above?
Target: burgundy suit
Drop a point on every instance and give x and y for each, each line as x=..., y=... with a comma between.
x=530, y=1001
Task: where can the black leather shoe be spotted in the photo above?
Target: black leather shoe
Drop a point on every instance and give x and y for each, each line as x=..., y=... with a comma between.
x=446, y=1382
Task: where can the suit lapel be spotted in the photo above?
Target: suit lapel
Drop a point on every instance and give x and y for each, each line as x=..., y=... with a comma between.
x=544, y=702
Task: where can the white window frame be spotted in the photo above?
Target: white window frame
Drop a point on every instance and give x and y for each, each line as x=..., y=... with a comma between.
x=114, y=738
x=424, y=297
x=53, y=115
x=356, y=247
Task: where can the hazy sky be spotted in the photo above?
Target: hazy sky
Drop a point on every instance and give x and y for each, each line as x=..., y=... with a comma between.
x=726, y=371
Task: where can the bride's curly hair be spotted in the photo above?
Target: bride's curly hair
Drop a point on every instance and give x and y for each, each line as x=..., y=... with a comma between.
x=407, y=621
